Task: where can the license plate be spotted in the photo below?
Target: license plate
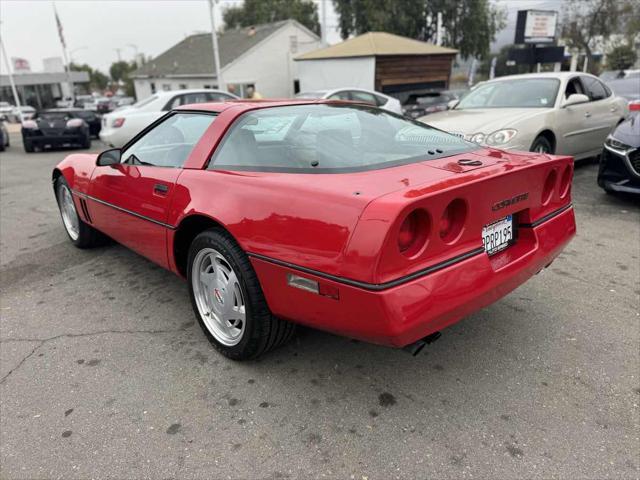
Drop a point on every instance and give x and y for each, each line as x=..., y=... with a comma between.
x=498, y=235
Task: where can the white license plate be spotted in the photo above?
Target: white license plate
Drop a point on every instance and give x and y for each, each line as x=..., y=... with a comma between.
x=498, y=235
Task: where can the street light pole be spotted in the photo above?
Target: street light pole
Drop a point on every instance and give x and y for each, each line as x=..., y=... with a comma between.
x=216, y=53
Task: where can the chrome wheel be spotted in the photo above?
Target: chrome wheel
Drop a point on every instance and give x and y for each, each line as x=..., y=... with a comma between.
x=218, y=296
x=541, y=149
x=68, y=211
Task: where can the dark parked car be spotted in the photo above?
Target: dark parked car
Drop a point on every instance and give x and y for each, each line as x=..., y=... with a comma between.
x=93, y=120
x=57, y=127
x=421, y=104
x=4, y=134
x=620, y=160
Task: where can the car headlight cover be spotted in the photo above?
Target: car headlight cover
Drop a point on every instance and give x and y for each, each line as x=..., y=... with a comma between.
x=500, y=137
x=477, y=138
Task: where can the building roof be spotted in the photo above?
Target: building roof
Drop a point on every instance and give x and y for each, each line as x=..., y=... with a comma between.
x=377, y=44
x=43, y=78
x=194, y=54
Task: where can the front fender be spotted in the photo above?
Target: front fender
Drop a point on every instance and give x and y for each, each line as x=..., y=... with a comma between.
x=76, y=170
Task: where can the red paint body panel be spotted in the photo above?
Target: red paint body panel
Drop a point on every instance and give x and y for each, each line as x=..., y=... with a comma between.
x=345, y=226
x=404, y=314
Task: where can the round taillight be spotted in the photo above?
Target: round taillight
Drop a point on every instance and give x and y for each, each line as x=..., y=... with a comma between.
x=413, y=233
x=549, y=187
x=452, y=220
x=565, y=182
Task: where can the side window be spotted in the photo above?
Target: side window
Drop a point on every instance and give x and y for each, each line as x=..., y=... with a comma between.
x=573, y=86
x=173, y=103
x=217, y=97
x=595, y=89
x=197, y=97
x=169, y=143
x=363, y=97
x=380, y=101
x=340, y=96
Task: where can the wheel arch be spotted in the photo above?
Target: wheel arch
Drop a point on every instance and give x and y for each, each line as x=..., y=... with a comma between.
x=550, y=136
x=188, y=229
x=57, y=173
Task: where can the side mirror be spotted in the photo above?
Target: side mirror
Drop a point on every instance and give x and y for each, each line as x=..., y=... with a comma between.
x=3, y=118
x=575, y=99
x=109, y=158
x=452, y=104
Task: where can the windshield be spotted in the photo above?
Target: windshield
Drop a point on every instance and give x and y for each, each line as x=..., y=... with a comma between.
x=517, y=93
x=51, y=116
x=330, y=139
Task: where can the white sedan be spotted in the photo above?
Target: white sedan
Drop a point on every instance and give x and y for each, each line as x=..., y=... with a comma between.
x=121, y=125
x=358, y=95
x=568, y=113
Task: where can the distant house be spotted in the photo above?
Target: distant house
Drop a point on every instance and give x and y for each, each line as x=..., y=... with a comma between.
x=261, y=56
x=378, y=61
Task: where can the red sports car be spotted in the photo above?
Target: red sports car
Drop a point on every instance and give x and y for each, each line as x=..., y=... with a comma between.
x=338, y=216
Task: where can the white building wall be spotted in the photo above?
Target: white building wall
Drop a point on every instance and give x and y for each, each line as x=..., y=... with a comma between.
x=337, y=73
x=143, y=85
x=270, y=66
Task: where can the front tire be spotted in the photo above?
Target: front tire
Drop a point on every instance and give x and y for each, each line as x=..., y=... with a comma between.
x=28, y=146
x=541, y=145
x=80, y=234
x=228, y=301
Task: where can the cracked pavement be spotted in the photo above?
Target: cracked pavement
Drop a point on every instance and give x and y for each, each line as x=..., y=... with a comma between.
x=105, y=374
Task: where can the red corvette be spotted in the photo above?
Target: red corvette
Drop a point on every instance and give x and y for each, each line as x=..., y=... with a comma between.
x=338, y=216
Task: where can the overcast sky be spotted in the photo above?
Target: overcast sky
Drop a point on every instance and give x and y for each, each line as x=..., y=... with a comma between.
x=93, y=30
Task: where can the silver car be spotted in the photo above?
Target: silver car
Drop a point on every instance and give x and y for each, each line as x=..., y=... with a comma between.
x=568, y=113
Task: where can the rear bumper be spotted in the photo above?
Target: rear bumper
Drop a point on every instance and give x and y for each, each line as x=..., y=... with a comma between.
x=405, y=313
x=57, y=140
x=114, y=137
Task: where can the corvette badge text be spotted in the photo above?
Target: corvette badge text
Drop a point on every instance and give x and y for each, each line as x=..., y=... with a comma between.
x=509, y=201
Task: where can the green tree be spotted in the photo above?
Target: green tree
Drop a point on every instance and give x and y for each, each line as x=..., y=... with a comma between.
x=469, y=25
x=255, y=12
x=120, y=72
x=621, y=57
x=588, y=21
x=97, y=79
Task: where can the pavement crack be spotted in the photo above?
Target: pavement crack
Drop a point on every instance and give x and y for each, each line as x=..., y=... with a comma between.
x=26, y=357
x=43, y=341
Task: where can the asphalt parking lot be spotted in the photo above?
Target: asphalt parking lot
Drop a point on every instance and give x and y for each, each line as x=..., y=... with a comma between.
x=105, y=373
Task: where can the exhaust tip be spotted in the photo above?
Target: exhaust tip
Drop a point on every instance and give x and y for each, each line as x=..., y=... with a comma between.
x=416, y=347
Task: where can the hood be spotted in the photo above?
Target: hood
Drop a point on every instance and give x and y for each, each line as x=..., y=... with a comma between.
x=629, y=132
x=481, y=120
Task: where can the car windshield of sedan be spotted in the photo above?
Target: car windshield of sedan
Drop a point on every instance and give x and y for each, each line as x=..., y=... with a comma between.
x=329, y=139
x=517, y=93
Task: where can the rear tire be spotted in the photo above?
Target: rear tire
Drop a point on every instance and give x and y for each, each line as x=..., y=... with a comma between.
x=228, y=301
x=541, y=145
x=81, y=234
x=28, y=146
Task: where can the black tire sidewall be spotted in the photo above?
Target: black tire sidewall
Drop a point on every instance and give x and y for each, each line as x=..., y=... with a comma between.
x=221, y=241
x=544, y=141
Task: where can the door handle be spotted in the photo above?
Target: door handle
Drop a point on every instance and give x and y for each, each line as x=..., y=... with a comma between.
x=587, y=114
x=160, y=189
x=614, y=109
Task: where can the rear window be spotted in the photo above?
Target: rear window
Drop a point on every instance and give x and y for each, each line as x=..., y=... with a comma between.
x=330, y=139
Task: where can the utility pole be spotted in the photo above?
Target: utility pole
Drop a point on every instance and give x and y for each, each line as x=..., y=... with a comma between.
x=118, y=53
x=439, y=29
x=216, y=53
x=323, y=31
x=13, y=84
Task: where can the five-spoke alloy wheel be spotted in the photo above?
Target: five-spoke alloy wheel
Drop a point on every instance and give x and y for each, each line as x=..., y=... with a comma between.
x=227, y=298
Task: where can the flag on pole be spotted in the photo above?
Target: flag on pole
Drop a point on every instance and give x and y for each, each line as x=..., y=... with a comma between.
x=60, y=31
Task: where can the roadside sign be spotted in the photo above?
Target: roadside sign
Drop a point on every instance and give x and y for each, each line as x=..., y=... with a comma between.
x=536, y=26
